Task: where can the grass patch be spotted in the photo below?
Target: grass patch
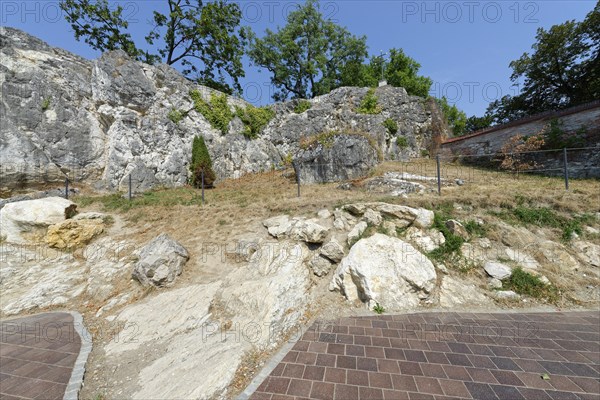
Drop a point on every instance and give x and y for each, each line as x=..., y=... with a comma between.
x=401, y=142
x=302, y=106
x=378, y=309
x=450, y=250
x=45, y=103
x=165, y=198
x=474, y=229
x=544, y=217
x=522, y=282
x=175, y=115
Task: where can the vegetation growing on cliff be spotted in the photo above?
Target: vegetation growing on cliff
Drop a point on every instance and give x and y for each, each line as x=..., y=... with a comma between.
x=302, y=106
x=216, y=111
x=254, y=119
x=369, y=104
x=391, y=126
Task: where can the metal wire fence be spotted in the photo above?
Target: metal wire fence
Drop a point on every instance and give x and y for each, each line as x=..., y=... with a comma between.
x=568, y=164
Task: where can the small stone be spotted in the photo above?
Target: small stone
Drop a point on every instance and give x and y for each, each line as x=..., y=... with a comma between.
x=506, y=295
x=333, y=250
x=497, y=270
x=72, y=234
x=161, y=260
x=442, y=268
x=424, y=218
x=324, y=214
x=356, y=232
x=494, y=283
x=372, y=218
x=456, y=228
x=544, y=280
x=390, y=228
x=319, y=265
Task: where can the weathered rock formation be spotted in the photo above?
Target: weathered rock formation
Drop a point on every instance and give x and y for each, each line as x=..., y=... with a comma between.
x=21, y=221
x=107, y=119
x=160, y=262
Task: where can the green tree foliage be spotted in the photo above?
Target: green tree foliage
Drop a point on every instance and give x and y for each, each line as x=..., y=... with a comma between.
x=562, y=70
x=201, y=162
x=309, y=55
x=399, y=71
x=204, y=38
x=475, y=123
x=457, y=119
x=556, y=138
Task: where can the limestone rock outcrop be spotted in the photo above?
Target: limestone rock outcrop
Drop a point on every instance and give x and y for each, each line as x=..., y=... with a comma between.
x=106, y=119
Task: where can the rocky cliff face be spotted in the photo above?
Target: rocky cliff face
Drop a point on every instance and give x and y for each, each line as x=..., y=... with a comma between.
x=105, y=119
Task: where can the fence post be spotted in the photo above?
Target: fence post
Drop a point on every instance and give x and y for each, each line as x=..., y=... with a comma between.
x=566, y=168
x=67, y=188
x=129, y=193
x=202, y=186
x=439, y=178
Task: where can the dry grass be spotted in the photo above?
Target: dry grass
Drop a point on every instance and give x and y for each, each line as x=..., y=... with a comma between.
x=495, y=189
x=235, y=204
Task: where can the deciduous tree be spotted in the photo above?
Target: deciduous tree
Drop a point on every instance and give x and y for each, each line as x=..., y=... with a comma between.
x=204, y=38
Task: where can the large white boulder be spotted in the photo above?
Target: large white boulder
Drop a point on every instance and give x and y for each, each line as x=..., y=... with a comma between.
x=22, y=220
x=385, y=270
x=160, y=261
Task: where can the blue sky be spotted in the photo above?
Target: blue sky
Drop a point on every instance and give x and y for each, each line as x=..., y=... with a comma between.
x=464, y=46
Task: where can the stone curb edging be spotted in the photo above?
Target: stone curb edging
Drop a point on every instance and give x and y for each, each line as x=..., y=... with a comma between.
x=76, y=380
x=269, y=367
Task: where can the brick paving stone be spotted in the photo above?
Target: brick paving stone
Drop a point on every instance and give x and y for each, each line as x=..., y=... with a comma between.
x=434, y=356
x=37, y=355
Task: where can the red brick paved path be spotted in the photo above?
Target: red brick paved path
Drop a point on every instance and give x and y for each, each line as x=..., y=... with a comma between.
x=37, y=355
x=441, y=356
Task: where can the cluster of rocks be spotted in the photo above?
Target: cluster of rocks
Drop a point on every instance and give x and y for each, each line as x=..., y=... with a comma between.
x=378, y=253
x=375, y=268
x=52, y=220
